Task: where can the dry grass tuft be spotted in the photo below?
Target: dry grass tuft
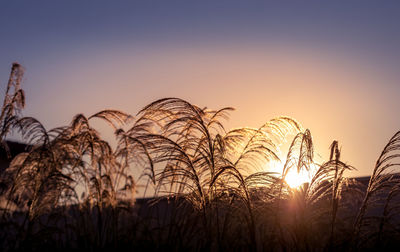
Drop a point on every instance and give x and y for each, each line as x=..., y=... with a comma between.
x=71, y=189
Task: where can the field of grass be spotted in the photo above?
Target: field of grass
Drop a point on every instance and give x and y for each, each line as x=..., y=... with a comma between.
x=71, y=189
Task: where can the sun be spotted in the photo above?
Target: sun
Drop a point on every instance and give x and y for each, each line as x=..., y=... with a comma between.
x=293, y=178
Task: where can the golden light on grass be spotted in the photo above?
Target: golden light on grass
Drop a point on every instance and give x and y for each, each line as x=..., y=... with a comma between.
x=194, y=167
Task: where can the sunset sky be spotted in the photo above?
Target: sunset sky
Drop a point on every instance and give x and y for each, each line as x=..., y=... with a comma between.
x=334, y=67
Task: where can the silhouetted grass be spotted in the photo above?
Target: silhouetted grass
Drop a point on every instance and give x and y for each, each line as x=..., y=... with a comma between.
x=212, y=188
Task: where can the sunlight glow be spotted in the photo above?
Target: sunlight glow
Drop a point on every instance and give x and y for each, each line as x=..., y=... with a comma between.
x=293, y=178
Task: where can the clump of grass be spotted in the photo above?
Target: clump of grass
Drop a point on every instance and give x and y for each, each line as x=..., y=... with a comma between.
x=383, y=179
x=71, y=189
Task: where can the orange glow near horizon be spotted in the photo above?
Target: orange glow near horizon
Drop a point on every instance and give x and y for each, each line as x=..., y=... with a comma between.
x=326, y=91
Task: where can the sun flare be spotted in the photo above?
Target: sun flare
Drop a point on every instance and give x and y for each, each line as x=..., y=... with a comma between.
x=293, y=178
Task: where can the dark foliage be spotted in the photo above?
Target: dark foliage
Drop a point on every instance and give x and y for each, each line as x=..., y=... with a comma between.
x=213, y=189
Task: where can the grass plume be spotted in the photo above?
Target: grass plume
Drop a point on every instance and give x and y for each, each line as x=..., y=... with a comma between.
x=212, y=188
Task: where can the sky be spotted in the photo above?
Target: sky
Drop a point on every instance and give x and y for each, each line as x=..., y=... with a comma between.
x=333, y=66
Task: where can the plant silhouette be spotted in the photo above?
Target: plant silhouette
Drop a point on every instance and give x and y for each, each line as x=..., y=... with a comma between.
x=211, y=188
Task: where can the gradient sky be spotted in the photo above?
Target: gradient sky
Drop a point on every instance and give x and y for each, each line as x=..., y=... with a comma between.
x=332, y=66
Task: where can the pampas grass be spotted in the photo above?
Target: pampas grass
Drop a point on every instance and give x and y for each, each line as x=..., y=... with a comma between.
x=212, y=188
